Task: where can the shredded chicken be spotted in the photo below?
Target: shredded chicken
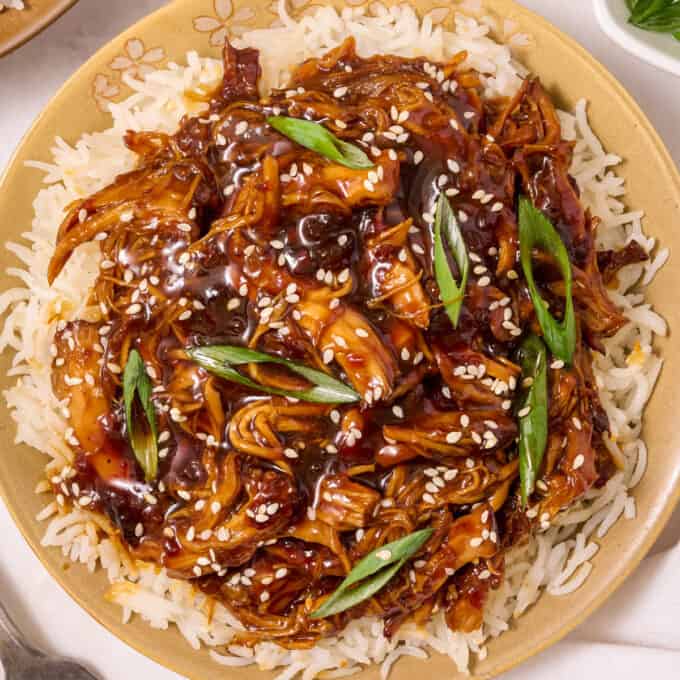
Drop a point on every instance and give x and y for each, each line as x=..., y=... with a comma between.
x=230, y=233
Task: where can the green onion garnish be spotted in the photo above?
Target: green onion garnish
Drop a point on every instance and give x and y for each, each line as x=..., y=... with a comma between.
x=660, y=16
x=372, y=573
x=451, y=293
x=317, y=138
x=220, y=360
x=536, y=231
x=532, y=413
x=140, y=416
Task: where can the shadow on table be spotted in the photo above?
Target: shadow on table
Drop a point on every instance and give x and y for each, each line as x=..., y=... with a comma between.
x=19, y=613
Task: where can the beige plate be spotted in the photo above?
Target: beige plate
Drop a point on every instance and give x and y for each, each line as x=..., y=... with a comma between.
x=653, y=186
x=16, y=27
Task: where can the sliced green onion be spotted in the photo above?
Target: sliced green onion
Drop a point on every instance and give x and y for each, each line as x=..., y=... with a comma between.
x=140, y=416
x=532, y=412
x=317, y=138
x=451, y=292
x=220, y=360
x=372, y=573
x=661, y=16
x=536, y=231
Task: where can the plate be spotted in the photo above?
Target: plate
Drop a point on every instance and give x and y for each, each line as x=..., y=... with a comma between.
x=570, y=73
x=18, y=27
x=658, y=49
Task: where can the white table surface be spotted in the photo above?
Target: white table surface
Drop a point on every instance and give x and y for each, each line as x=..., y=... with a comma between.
x=28, y=78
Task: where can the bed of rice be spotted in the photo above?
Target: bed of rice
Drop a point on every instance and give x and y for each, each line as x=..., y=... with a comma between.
x=557, y=560
x=12, y=4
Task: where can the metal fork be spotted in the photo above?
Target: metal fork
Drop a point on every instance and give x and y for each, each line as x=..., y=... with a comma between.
x=22, y=661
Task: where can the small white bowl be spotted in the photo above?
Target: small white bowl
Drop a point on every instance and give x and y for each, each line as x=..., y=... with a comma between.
x=659, y=49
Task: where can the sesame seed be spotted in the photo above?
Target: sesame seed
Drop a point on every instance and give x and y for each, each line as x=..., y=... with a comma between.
x=497, y=207
x=557, y=364
x=398, y=411
x=281, y=573
x=368, y=185
x=418, y=157
x=335, y=416
x=453, y=437
x=524, y=412
x=577, y=423
x=431, y=487
x=241, y=127
x=429, y=498
x=578, y=461
x=475, y=542
x=339, y=92
x=384, y=555
x=512, y=275
x=483, y=281
x=361, y=333
x=191, y=534
x=290, y=453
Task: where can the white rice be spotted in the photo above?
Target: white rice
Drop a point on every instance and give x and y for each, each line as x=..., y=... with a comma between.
x=12, y=4
x=557, y=560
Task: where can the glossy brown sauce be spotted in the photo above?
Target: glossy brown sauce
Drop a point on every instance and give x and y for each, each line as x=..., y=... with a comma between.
x=228, y=219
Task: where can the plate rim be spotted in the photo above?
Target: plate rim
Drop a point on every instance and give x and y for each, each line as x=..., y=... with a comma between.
x=31, y=30
x=649, y=533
